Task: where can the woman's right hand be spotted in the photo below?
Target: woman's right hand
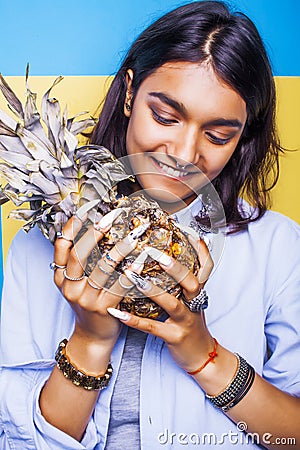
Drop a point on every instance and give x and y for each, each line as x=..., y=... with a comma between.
x=95, y=331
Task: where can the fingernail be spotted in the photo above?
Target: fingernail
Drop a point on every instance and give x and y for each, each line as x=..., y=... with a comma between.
x=159, y=256
x=118, y=314
x=106, y=221
x=136, y=233
x=137, y=280
x=138, y=263
x=81, y=213
x=188, y=230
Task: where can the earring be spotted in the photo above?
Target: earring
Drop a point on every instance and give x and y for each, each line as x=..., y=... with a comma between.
x=127, y=106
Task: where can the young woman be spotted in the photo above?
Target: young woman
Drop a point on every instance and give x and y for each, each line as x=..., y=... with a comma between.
x=195, y=92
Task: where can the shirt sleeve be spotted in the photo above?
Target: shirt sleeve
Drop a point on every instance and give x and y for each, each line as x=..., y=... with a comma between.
x=28, y=342
x=282, y=326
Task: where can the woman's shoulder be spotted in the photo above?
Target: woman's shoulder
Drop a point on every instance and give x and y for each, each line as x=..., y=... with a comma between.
x=274, y=223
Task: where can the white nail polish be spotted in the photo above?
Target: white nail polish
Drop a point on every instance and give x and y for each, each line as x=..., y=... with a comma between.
x=118, y=314
x=137, y=280
x=138, y=263
x=136, y=233
x=159, y=256
x=81, y=213
x=107, y=220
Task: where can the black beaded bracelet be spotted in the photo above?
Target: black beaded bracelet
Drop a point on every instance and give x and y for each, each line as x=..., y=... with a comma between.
x=78, y=377
x=243, y=391
x=237, y=389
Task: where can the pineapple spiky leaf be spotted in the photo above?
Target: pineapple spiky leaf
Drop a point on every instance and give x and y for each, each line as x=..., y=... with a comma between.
x=43, y=165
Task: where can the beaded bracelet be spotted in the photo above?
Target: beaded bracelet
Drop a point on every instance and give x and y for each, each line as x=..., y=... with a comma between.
x=238, y=388
x=78, y=377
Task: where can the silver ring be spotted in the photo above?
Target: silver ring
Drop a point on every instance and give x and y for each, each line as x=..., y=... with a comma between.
x=60, y=235
x=124, y=286
x=54, y=266
x=73, y=278
x=94, y=286
x=198, y=303
x=110, y=261
x=103, y=270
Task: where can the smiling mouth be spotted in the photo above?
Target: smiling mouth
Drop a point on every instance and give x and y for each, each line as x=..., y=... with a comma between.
x=170, y=171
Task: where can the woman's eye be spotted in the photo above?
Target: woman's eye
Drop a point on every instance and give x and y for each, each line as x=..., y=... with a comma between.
x=161, y=119
x=216, y=140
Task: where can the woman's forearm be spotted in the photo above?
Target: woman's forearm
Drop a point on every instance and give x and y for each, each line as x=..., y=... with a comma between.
x=264, y=410
x=63, y=404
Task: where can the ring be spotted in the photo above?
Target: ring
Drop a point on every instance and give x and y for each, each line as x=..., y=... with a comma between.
x=54, y=266
x=94, y=286
x=124, y=286
x=110, y=258
x=198, y=303
x=103, y=270
x=60, y=235
x=73, y=278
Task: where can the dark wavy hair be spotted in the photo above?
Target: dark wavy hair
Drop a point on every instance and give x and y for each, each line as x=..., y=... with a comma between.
x=208, y=32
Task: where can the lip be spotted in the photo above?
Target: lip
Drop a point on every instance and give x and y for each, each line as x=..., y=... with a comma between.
x=185, y=176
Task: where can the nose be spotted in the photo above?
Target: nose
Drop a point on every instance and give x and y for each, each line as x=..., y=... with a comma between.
x=185, y=146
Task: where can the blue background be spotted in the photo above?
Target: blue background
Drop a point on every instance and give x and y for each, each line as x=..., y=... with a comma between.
x=90, y=38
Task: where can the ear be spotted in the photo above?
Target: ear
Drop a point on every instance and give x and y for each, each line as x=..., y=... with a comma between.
x=128, y=97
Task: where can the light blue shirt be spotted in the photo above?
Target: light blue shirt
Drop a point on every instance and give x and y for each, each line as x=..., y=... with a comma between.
x=254, y=294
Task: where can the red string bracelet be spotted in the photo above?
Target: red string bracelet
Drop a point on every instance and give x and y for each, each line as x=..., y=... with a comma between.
x=211, y=358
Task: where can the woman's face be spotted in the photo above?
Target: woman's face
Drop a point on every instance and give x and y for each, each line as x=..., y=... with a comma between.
x=182, y=114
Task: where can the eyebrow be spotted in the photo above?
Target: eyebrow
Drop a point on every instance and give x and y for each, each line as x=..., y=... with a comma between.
x=179, y=107
x=234, y=123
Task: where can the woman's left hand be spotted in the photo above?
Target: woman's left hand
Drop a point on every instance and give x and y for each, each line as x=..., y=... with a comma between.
x=184, y=332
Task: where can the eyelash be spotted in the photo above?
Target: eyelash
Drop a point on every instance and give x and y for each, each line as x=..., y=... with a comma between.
x=161, y=119
x=218, y=141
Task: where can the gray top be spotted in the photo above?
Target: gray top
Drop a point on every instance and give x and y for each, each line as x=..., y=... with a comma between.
x=124, y=425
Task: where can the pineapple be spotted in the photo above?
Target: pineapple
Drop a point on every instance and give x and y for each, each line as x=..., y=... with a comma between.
x=51, y=176
x=163, y=234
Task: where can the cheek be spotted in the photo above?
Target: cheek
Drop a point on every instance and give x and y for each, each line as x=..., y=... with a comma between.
x=143, y=134
x=136, y=140
x=216, y=161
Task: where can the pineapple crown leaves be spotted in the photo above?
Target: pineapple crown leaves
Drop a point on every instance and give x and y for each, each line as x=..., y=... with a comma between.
x=43, y=166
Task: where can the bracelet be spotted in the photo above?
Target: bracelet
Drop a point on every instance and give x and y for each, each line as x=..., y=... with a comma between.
x=211, y=358
x=237, y=389
x=78, y=377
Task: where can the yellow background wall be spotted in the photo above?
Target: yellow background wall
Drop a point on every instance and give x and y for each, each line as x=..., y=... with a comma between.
x=85, y=94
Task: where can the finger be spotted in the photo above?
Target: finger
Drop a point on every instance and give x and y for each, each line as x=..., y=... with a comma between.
x=114, y=294
x=62, y=247
x=149, y=326
x=168, y=302
x=205, y=259
x=106, y=266
x=122, y=286
x=80, y=252
x=176, y=270
x=63, y=244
